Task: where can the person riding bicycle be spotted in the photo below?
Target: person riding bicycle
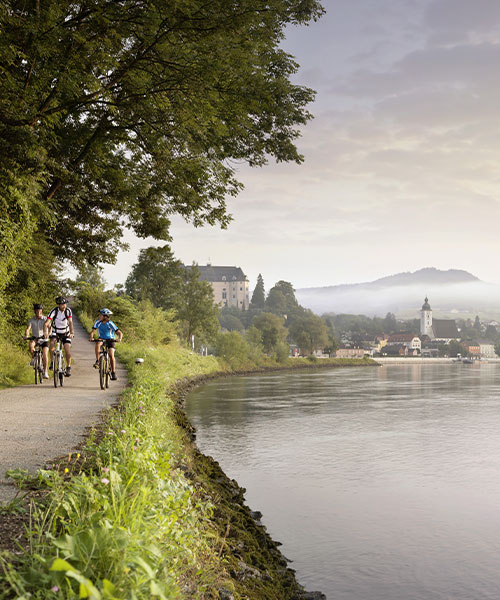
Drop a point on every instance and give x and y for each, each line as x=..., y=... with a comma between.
x=106, y=330
x=36, y=325
x=60, y=319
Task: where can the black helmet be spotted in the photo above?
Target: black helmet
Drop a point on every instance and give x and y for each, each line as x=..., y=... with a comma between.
x=61, y=300
x=37, y=306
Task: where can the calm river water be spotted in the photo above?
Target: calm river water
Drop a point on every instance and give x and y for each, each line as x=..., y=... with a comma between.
x=382, y=483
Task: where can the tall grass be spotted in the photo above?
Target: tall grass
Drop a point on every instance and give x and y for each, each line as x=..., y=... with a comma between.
x=120, y=520
x=14, y=366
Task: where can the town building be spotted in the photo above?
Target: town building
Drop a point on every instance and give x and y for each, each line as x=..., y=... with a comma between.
x=230, y=285
x=411, y=341
x=473, y=348
x=350, y=353
x=487, y=350
x=439, y=330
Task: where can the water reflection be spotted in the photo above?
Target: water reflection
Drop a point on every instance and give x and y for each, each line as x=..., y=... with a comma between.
x=381, y=483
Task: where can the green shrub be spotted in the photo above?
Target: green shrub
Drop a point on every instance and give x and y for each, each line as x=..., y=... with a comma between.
x=15, y=366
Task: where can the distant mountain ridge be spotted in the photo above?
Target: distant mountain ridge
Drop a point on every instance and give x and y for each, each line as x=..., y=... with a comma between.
x=448, y=290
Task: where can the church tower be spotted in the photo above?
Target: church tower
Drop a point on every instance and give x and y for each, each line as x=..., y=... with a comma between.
x=426, y=319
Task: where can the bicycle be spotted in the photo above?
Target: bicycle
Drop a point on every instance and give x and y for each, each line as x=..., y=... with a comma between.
x=58, y=363
x=104, y=363
x=37, y=360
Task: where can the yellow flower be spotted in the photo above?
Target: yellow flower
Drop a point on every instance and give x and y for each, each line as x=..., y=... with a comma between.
x=66, y=470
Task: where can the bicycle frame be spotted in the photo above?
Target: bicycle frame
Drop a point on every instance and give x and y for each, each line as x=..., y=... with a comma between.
x=104, y=365
x=58, y=363
x=38, y=361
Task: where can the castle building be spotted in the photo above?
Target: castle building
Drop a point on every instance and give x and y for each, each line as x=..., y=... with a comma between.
x=438, y=330
x=230, y=285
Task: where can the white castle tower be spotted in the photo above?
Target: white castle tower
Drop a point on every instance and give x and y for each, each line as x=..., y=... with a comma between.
x=426, y=319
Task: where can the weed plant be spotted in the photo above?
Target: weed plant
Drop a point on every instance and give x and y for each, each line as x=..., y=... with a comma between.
x=15, y=369
x=121, y=520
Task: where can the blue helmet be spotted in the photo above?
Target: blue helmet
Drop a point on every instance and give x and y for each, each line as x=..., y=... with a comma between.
x=106, y=312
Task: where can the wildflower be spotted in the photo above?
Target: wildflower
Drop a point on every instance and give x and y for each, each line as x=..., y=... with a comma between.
x=54, y=589
x=78, y=455
x=110, y=433
x=122, y=431
x=105, y=481
x=105, y=469
x=134, y=448
x=66, y=470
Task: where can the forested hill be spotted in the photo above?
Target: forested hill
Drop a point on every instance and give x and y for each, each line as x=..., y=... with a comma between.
x=403, y=293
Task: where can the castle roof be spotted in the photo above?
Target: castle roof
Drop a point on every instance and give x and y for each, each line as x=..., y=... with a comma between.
x=210, y=273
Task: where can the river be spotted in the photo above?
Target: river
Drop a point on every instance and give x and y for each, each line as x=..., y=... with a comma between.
x=382, y=483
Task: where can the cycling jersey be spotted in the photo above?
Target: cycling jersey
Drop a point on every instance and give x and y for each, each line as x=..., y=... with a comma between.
x=106, y=330
x=60, y=319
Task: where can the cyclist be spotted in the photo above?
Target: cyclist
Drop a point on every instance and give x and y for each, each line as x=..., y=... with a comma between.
x=36, y=324
x=60, y=319
x=106, y=330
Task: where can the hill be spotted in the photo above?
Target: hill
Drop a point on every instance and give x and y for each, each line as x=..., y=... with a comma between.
x=455, y=292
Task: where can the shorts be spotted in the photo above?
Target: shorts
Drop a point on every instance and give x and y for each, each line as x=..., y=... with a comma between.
x=42, y=342
x=64, y=337
x=109, y=343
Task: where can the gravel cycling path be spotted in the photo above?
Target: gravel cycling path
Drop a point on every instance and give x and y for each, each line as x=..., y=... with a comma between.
x=40, y=422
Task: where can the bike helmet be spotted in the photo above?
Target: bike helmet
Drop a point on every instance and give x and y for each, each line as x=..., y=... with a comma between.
x=106, y=312
x=37, y=306
x=61, y=300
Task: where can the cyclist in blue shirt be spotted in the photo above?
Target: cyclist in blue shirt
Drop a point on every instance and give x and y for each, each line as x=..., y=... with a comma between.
x=106, y=330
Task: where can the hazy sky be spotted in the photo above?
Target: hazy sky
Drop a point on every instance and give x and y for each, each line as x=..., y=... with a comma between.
x=402, y=160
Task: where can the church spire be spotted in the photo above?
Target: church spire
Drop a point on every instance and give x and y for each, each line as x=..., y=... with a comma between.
x=426, y=305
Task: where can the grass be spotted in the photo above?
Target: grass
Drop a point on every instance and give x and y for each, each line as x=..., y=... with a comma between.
x=139, y=513
x=15, y=369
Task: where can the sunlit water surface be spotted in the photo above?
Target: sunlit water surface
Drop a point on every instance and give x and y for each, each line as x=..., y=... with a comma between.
x=382, y=483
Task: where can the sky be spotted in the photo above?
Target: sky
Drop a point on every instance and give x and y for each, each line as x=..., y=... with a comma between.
x=402, y=159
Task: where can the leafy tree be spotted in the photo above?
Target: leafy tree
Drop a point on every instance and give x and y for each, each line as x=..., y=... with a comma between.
x=272, y=330
x=258, y=296
x=276, y=302
x=455, y=348
x=390, y=324
x=197, y=311
x=477, y=324
x=230, y=322
x=156, y=276
x=491, y=333
x=118, y=114
x=309, y=332
x=281, y=300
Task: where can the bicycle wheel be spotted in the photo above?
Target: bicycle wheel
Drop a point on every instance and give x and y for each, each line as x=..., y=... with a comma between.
x=102, y=367
x=39, y=367
x=55, y=367
x=62, y=369
x=107, y=371
x=35, y=367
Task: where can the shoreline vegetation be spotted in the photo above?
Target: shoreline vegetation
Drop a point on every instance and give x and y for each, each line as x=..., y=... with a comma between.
x=139, y=512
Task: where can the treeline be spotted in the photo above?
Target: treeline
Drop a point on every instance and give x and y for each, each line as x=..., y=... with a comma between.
x=162, y=301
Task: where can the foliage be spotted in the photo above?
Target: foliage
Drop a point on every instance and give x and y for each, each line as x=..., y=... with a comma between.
x=309, y=332
x=281, y=299
x=233, y=349
x=121, y=113
x=197, y=313
x=272, y=330
x=126, y=523
x=230, y=322
x=259, y=295
x=156, y=276
x=15, y=369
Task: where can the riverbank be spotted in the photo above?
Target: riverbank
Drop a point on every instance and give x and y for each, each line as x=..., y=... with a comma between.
x=417, y=360
x=159, y=515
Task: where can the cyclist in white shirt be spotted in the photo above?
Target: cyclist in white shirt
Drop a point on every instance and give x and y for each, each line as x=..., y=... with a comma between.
x=60, y=319
x=37, y=324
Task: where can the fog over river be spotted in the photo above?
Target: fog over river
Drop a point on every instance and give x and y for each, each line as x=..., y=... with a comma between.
x=382, y=483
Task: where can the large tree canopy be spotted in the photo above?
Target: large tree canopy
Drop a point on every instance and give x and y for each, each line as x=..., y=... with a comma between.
x=122, y=113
